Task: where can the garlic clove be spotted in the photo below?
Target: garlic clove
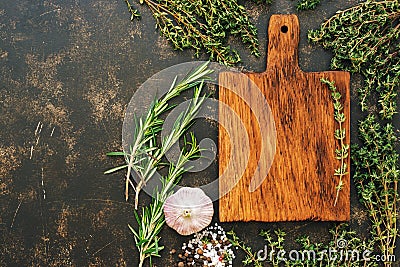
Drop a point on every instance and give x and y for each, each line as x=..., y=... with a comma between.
x=188, y=211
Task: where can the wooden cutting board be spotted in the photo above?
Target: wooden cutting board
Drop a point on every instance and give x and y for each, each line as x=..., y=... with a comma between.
x=300, y=184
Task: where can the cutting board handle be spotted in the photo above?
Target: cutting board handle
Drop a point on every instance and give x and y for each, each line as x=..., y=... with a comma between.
x=283, y=35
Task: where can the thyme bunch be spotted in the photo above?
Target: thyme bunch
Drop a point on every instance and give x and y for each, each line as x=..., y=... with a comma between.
x=365, y=39
x=377, y=174
x=342, y=152
x=203, y=25
x=345, y=248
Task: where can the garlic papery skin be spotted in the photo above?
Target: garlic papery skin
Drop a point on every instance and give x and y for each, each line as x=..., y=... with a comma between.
x=188, y=211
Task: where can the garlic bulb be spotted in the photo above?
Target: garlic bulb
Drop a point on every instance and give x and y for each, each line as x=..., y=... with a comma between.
x=188, y=211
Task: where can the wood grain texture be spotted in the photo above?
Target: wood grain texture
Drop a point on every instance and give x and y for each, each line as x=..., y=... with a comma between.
x=300, y=184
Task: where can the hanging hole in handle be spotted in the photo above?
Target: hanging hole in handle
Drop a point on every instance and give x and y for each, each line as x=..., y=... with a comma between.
x=284, y=29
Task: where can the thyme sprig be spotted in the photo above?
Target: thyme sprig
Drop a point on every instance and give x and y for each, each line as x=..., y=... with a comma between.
x=307, y=4
x=268, y=2
x=345, y=248
x=275, y=243
x=203, y=25
x=251, y=258
x=364, y=39
x=342, y=152
x=144, y=157
x=376, y=175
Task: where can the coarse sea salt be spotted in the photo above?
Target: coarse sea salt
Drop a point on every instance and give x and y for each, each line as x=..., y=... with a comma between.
x=208, y=248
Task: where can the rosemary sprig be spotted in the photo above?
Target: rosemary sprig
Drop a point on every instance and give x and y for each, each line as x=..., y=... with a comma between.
x=203, y=25
x=152, y=218
x=342, y=152
x=147, y=165
x=144, y=156
x=251, y=258
x=145, y=159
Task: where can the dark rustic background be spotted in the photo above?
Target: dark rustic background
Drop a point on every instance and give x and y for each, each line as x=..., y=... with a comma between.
x=67, y=72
